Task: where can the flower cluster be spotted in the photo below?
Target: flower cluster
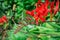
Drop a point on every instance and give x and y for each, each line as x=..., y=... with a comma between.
x=41, y=11
x=3, y=19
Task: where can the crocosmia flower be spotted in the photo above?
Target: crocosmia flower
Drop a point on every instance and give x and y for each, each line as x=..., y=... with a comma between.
x=41, y=11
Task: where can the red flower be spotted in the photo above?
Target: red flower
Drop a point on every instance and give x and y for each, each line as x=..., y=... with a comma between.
x=39, y=2
x=42, y=18
x=30, y=12
x=36, y=18
x=3, y=19
x=47, y=3
x=51, y=7
x=57, y=7
x=42, y=10
x=46, y=12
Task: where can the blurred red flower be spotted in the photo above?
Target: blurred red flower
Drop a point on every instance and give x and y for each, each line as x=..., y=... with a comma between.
x=57, y=7
x=3, y=19
x=42, y=10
